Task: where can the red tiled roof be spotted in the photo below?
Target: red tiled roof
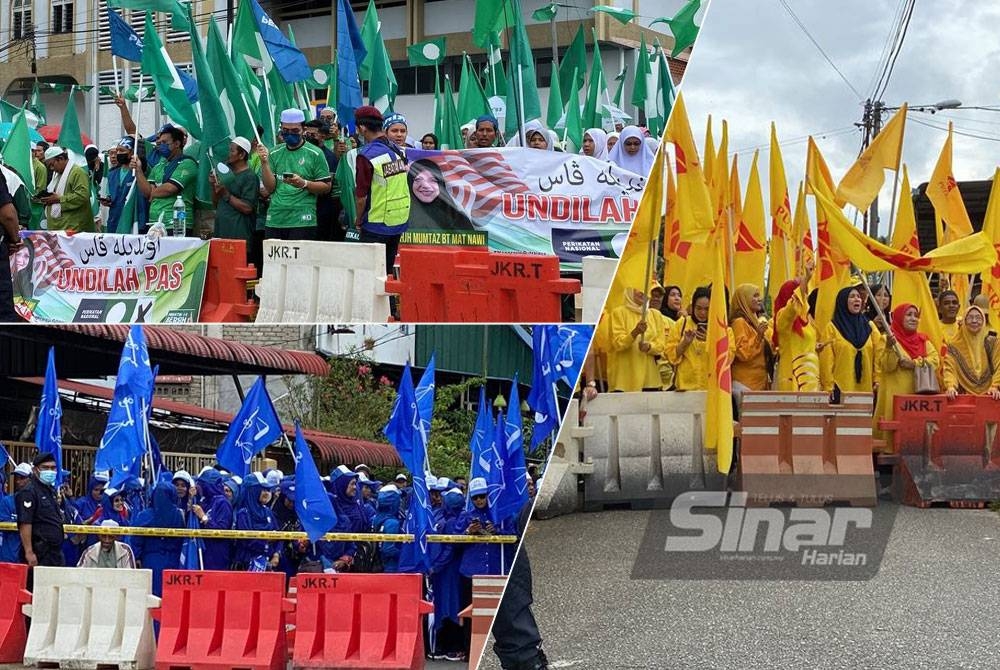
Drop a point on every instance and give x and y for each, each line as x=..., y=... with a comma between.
x=163, y=338
x=333, y=449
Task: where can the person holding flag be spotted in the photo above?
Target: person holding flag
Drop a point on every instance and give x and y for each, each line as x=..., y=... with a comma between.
x=174, y=174
x=118, y=187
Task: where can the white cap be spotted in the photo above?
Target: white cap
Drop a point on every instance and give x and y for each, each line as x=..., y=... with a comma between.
x=237, y=479
x=478, y=486
x=54, y=152
x=388, y=488
x=242, y=143
x=274, y=477
x=109, y=523
x=293, y=116
x=400, y=476
x=184, y=475
x=111, y=492
x=431, y=481
x=361, y=466
x=23, y=470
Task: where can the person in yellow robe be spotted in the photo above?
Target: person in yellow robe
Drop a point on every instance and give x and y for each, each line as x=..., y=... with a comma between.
x=972, y=359
x=853, y=345
x=750, y=333
x=634, y=345
x=905, y=349
x=686, y=347
x=949, y=306
x=794, y=339
x=663, y=323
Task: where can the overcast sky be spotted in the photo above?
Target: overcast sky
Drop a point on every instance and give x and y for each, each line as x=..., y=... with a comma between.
x=752, y=65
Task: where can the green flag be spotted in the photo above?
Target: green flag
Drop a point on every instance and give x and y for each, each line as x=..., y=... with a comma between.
x=451, y=128
x=8, y=111
x=555, y=109
x=129, y=222
x=370, y=34
x=345, y=178
x=178, y=15
x=496, y=80
x=131, y=93
x=546, y=13
x=617, y=100
x=323, y=77
x=666, y=93
x=682, y=26
x=493, y=16
x=36, y=106
x=16, y=152
x=623, y=15
x=216, y=131
x=227, y=83
x=69, y=133
x=597, y=92
x=382, y=86
x=522, y=91
x=574, y=125
x=472, y=102
x=575, y=60
x=157, y=64
x=642, y=72
x=430, y=52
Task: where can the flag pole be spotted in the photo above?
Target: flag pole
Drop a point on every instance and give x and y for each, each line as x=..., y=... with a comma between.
x=654, y=240
x=892, y=220
x=114, y=64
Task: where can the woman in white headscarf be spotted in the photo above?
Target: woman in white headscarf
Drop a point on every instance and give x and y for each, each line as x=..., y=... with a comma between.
x=532, y=129
x=595, y=144
x=631, y=152
x=612, y=141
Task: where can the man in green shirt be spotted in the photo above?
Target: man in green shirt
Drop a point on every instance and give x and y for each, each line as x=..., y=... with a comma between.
x=235, y=198
x=293, y=174
x=174, y=174
x=41, y=183
x=68, y=207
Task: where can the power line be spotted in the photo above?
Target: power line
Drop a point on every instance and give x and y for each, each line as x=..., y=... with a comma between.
x=763, y=148
x=896, y=51
x=992, y=138
x=890, y=39
x=818, y=47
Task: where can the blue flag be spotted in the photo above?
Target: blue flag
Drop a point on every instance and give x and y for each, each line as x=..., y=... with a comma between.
x=48, y=429
x=312, y=504
x=494, y=481
x=404, y=432
x=481, y=444
x=193, y=548
x=5, y=457
x=351, y=52
x=515, y=474
x=291, y=62
x=125, y=439
x=425, y=400
x=559, y=353
x=253, y=428
x=125, y=42
x=190, y=85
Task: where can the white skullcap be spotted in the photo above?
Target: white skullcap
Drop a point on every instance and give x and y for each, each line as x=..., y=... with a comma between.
x=293, y=116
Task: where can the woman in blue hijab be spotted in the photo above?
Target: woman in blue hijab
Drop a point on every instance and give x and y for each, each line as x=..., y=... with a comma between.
x=446, y=580
x=386, y=520
x=89, y=503
x=351, y=517
x=159, y=553
x=183, y=484
x=114, y=507
x=254, y=513
x=214, y=511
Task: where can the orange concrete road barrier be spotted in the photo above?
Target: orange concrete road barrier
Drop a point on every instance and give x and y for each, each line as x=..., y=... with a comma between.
x=225, y=299
x=487, y=590
x=798, y=448
x=13, y=633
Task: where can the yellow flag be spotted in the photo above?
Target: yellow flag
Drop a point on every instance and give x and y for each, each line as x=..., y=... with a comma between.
x=694, y=206
x=709, y=153
x=675, y=252
x=865, y=178
x=749, y=245
x=818, y=177
x=634, y=268
x=720, y=186
x=719, y=398
x=942, y=190
x=780, y=248
x=833, y=270
x=904, y=232
x=991, y=230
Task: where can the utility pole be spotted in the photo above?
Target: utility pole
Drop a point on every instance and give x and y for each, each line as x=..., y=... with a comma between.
x=876, y=125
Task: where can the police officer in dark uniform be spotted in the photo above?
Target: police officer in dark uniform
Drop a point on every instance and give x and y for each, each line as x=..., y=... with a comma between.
x=39, y=517
x=518, y=643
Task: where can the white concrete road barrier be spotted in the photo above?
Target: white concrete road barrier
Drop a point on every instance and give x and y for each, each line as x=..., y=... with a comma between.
x=322, y=282
x=85, y=618
x=646, y=447
x=598, y=272
x=559, y=491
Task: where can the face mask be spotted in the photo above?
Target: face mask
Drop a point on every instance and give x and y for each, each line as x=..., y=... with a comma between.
x=163, y=149
x=123, y=159
x=292, y=140
x=315, y=141
x=47, y=477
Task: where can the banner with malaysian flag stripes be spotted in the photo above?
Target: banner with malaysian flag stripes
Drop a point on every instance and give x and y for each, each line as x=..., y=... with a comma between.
x=98, y=278
x=522, y=200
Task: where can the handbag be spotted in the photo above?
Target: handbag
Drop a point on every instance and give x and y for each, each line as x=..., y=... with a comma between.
x=925, y=380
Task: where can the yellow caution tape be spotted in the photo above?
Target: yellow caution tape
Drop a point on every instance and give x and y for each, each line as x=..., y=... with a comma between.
x=216, y=534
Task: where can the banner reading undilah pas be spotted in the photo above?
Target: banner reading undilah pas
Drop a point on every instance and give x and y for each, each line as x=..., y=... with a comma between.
x=522, y=200
x=97, y=278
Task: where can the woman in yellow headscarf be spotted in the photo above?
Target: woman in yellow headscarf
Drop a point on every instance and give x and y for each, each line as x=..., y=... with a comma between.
x=634, y=344
x=794, y=338
x=686, y=347
x=752, y=338
x=972, y=359
x=853, y=345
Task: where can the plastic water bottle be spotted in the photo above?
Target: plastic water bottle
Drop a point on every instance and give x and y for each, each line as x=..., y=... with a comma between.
x=180, y=217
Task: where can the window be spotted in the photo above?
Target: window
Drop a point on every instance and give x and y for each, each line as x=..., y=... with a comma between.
x=21, y=26
x=62, y=16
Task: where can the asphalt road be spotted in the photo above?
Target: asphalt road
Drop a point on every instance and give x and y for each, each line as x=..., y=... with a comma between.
x=933, y=604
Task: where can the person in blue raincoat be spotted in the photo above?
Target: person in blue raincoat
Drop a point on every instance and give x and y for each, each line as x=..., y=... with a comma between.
x=213, y=510
x=368, y=494
x=89, y=503
x=10, y=540
x=254, y=513
x=446, y=580
x=114, y=507
x=183, y=484
x=386, y=520
x=133, y=492
x=159, y=553
x=350, y=517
